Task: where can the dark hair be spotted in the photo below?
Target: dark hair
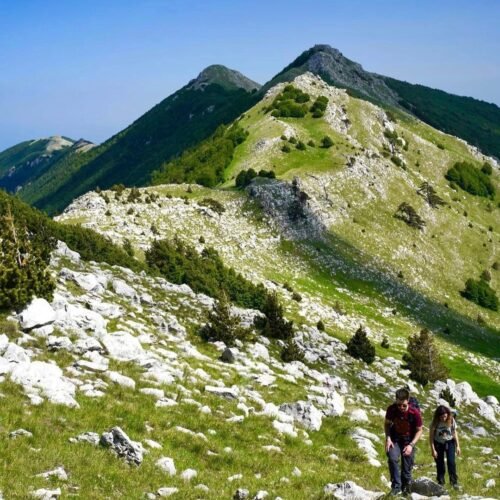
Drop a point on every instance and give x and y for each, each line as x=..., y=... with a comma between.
x=403, y=394
x=442, y=410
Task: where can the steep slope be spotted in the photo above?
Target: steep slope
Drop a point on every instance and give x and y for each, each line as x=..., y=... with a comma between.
x=25, y=162
x=470, y=119
x=189, y=115
x=352, y=191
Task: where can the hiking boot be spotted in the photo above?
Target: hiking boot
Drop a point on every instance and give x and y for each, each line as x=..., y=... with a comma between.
x=456, y=486
x=395, y=492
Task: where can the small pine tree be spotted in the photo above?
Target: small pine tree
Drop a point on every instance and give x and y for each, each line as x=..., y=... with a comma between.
x=422, y=359
x=276, y=326
x=447, y=395
x=320, y=326
x=291, y=352
x=127, y=246
x=326, y=142
x=24, y=258
x=360, y=347
x=222, y=326
x=385, y=342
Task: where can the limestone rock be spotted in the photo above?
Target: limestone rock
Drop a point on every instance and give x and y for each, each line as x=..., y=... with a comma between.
x=349, y=490
x=44, y=494
x=427, y=487
x=122, y=445
x=122, y=346
x=38, y=313
x=305, y=413
x=166, y=464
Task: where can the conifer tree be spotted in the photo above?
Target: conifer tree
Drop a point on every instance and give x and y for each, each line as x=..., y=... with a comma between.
x=291, y=352
x=276, y=326
x=23, y=263
x=360, y=347
x=422, y=359
x=222, y=325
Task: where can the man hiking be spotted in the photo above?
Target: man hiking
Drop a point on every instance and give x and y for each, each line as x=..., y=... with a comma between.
x=403, y=428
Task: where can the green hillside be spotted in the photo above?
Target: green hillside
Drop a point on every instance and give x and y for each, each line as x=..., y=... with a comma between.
x=178, y=122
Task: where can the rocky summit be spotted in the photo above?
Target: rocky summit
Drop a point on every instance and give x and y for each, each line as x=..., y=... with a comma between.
x=110, y=389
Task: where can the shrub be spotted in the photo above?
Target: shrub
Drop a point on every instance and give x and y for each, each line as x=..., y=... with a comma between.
x=385, y=342
x=292, y=140
x=311, y=143
x=214, y=205
x=244, y=178
x=392, y=136
x=319, y=107
x=222, y=325
x=290, y=103
x=479, y=292
x=440, y=146
x=267, y=174
x=275, y=325
x=127, y=247
x=326, y=142
x=397, y=160
x=286, y=148
x=301, y=146
x=118, y=189
x=486, y=275
x=447, y=395
x=205, y=273
x=430, y=196
x=407, y=213
x=297, y=297
x=291, y=352
x=320, y=326
x=471, y=179
x=360, y=347
x=487, y=168
x=422, y=359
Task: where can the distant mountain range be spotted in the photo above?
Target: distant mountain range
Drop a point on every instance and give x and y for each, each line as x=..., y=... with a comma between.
x=217, y=96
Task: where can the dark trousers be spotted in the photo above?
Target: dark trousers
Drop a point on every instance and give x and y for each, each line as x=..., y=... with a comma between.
x=446, y=449
x=403, y=480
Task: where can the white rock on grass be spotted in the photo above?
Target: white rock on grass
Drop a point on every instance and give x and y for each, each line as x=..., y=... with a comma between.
x=123, y=289
x=151, y=391
x=58, y=473
x=225, y=392
x=46, y=379
x=153, y=444
x=86, y=437
x=359, y=415
x=122, y=346
x=120, y=379
x=167, y=491
x=20, y=432
x=490, y=483
x=166, y=464
x=285, y=428
x=38, y=313
x=4, y=342
x=188, y=474
x=349, y=490
x=122, y=445
x=305, y=413
x=43, y=494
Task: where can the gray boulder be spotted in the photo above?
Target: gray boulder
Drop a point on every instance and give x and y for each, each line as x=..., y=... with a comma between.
x=227, y=356
x=305, y=413
x=241, y=494
x=427, y=487
x=123, y=446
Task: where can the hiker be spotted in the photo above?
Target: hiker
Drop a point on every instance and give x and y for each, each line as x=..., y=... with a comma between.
x=403, y=428
x=443, y=439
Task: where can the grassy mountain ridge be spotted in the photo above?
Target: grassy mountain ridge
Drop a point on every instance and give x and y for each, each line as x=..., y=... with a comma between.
x=473, y=120
x=345, y=244
x=181, y=120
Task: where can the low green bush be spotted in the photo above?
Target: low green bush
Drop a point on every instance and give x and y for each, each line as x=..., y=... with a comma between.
x=471, y=179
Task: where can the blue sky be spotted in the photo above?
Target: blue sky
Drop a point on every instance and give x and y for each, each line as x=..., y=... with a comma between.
x=90, y=68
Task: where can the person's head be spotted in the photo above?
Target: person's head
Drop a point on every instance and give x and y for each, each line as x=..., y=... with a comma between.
x=442, y=414
x=402, y=397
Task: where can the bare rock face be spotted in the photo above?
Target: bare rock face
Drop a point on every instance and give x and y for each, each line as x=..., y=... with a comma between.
x=123, y=446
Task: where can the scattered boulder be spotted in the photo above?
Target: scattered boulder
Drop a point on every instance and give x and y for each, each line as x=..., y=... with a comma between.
x=38, y=313
x=86, y=437
x=58, y=473
x=305, y=413
x=166, y=464
x=227, y=356
x=44, y=494
x=122, y=346
x=122, y=445
x=188, y=474
x=241, y=494
x=225, y=392
x=427, y=487
x=167, y=491
x=349, y=490
x=20, y=432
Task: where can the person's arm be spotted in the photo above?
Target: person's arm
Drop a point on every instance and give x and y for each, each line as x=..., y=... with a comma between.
x=387, y=429
x=455, y=436
x=432, y=430
x=407, y=450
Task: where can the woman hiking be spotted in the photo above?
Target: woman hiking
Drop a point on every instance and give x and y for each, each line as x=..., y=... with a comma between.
x=443, y=440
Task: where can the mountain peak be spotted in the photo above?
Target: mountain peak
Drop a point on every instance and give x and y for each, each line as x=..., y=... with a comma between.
x=336, y=69
x=223, y=76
